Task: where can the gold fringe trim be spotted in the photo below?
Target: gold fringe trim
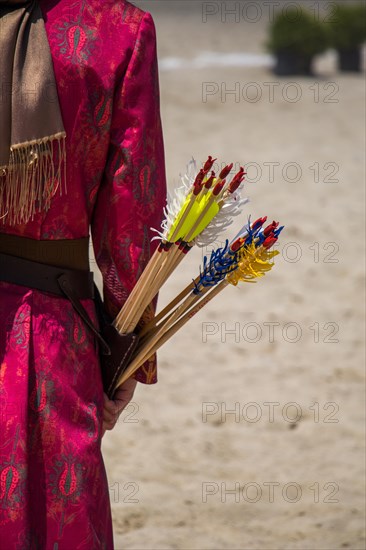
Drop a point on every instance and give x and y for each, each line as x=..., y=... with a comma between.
x=36, y=170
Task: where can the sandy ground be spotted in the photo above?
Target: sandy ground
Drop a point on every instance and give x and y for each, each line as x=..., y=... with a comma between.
x=254, y=438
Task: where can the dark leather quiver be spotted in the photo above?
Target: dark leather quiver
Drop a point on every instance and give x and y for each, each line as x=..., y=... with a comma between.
x=115, y=360
x=113, y=366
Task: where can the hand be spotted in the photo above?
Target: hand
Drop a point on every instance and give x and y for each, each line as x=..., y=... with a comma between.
x=113, y=408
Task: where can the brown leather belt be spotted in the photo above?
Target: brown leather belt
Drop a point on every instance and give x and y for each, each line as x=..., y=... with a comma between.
x=45, y=265
x=67, y=253
x=46, y=278
x=60, y=267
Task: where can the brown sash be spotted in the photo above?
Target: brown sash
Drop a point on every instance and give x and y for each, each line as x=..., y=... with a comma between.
x=32, y=134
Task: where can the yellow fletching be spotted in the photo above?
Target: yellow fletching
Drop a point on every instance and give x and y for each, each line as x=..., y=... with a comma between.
x=253, y=263
x=191, y=218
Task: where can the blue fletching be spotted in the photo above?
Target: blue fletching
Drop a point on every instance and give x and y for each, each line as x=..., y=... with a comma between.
x=249, y=238
x=277, y=231
x=216, y=268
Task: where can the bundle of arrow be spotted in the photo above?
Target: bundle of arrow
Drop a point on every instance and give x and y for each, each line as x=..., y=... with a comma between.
x=201, y=209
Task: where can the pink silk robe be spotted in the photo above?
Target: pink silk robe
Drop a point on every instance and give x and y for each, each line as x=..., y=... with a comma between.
x=53, y=487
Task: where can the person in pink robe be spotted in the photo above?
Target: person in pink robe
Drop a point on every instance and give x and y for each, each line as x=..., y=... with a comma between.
x=54, y=491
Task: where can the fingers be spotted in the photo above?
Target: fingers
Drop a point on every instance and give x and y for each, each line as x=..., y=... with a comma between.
x=111, y=411
x=109, y=404
x=110, y=417
x=120, y=401
x=110, y=414
x=124, y=394
x=107, y=426
x=112, y=408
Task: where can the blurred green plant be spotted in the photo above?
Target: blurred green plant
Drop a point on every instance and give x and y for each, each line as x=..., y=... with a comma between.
x=347, y=30
x=297, y=32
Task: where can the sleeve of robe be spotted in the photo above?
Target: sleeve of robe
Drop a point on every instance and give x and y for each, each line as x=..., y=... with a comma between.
x=132, y=194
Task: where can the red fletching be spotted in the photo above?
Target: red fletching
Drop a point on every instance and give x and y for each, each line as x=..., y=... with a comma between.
x=258, y=223
x=226, y=171
x=208, y=164
x=218, y=188
x=210, y=180
x=236, y=181
x=268, y=230
x=269, y=241
x=197, y=189
x=199, y=178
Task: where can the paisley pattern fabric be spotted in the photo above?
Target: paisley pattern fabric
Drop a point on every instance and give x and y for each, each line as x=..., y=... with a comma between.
x=53, y=487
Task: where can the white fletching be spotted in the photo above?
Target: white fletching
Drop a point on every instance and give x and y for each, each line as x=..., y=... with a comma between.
x=176, y=200
x=222, y=220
